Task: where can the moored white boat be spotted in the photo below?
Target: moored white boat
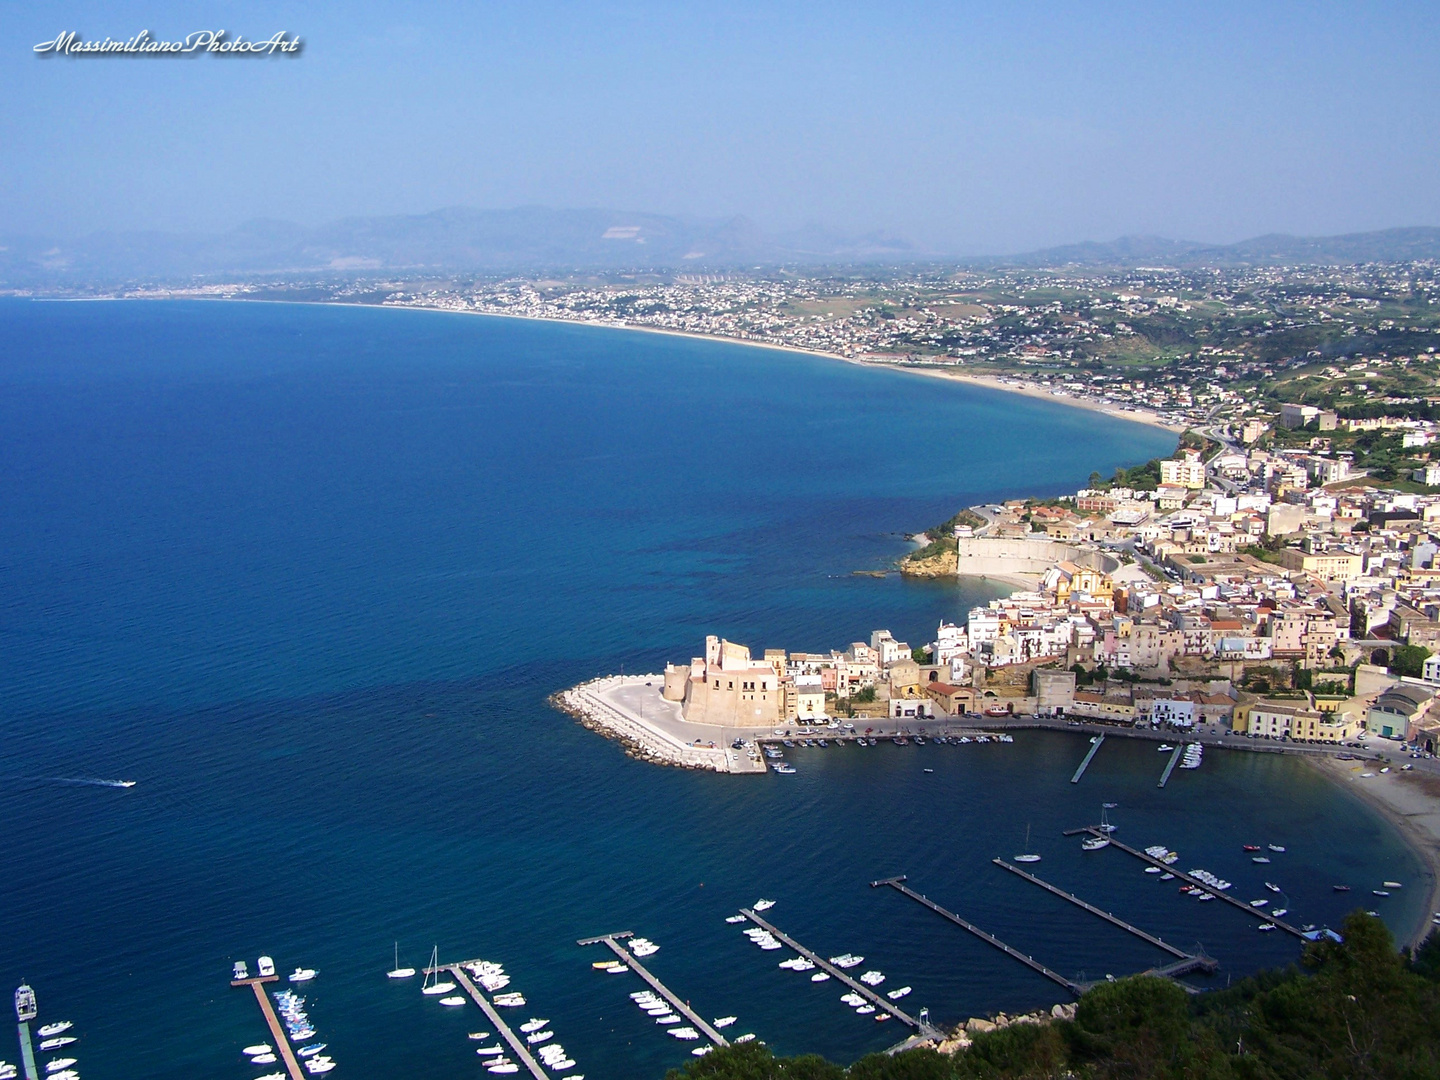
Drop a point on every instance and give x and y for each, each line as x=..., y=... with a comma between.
x=897, y=994
x=535, y=1023
x=258, y=1048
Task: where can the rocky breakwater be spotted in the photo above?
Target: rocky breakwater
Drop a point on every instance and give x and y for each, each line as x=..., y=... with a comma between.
x=964, y=1035
x=589, y=704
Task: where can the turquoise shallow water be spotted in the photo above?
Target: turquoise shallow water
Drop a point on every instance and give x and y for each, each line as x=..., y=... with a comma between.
x=307, y=574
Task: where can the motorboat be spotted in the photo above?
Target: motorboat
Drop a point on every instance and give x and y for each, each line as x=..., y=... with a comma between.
x=273, y=1076
x=748, y=1037
x=58, y=1064
x=764, y=905
x=25, y=1007
x=820, y=976
x=1392, y=884
x=879, y=1017
x=667, y=1019
x=264, y=1059
x=897, y=994
x=56, y=1044
x=1258, y=903
x=311, y=1050
x=1380, y=892
x=865, y=1010
x=701, y=1051
x=685, y=1033
x=1341, y=888
x=604, y=965
x=266, y=967
x=1165, y=748
x=1279, y=912
x=1032, y=860
x=872, y=978
x=303, y=974
x=1272, y=886
x=503, y=1066
x=241, y=970
x=1152, y=869
x=1251, y=847
x=8, y=1071
x=569, y=1063
x=1265, y=928
x=847, y=960
x=1261, y=859
x=851, y=998
x=258, y=1048
x=724, y=1022
x=533, y=1024
x=1204, y=896
x=1095, y=843
x=735, y=919
x=1277, y=848
x=785, y=769
x=490, y=1051
x=453, y=1002
x=538, y=1037
x=318, y=1066
x=1167, y=877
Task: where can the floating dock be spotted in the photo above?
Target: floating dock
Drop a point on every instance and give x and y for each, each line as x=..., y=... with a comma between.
x=898, y=883
x=1170, y=765
x=517, y=1044
x=27, y=1052
x=1257, y=913
x=921, y=1026
x=1099, y=739
x=612, y=940
x=1184, y=963
x=277, y=1030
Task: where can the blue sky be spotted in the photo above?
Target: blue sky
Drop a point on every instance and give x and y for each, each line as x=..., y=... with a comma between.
x=968, y=128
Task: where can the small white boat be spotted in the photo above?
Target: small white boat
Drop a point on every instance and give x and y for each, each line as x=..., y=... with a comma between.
x=313, y=1050
x=1279, y=912
x=1262, y=859
x=1278, y=848
x=264, y=1059
x=764, y=905
x=724, y=1022
x=865, y=1010
x=1152, y=870
x=1265, y=928
x=258, y=1048
x=701, y=1051
x=266, y=966
x=453, y=1002
x=668, y=1019
x=896, y=995
x=273, y=1076
x=1392, y=884
x=436, y=989
x=1095, y=843
x=64, y=1074
x=872, y=978
x=515, y=1000
x=1167, y=877
x=58, y=1064
x=1272, y=886
x=398, y=972
x=318, y=1067
x=736, y=919
x=820, y=976
x=1380, y=892
x=432, y=986
x=504, y=1067
x=1204, y=896
x=1165, y=748
x=685, y=1033
x=241, y=971
x=616, y=969
x=55, y=1044
x=538, y=1037
x=302, y=974
x=1258, y=903
x=478, y=1035
x=490, y=1051
x=533, y=1024
x=1029, y=856
x=568, y=1063
x=749, y=1037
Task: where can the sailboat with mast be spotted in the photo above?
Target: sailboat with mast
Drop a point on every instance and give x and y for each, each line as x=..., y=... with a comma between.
x=432, y=984
x=1029, y=855
x=398, y=972
x=1101, y=839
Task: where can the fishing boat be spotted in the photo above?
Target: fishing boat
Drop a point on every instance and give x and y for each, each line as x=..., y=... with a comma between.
x=432, y=986
x=398, y=972
x=1029, y=856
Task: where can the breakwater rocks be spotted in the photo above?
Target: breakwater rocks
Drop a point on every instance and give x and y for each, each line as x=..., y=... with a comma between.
x=641, y=741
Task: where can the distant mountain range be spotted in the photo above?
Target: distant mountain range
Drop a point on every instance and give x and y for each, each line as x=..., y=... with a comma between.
x=460, y=240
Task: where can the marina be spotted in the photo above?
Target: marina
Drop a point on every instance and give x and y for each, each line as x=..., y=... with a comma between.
x=277, y=1030
x=1099, y=740
x=517, y=1044
x=1208, y=889
x=921, y=1025
x=898, y=883
x=612, y=941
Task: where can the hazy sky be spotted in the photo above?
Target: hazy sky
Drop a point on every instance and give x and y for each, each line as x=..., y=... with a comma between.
x=969, y=128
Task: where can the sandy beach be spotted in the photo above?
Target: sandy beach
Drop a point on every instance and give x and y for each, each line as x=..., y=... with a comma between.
x=1411, y=802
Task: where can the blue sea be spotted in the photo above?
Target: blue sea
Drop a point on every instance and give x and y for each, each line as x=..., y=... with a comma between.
x=307, y=574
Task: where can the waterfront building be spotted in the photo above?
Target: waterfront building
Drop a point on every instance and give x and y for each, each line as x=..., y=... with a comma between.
x=1398, y=710
x=725, y=687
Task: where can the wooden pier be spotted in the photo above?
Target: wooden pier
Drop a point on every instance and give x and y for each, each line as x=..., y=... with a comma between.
x=628, y=958
x=1257, y=913
x=1099, y=739
x=277, y=1029
x=923, y=1027
x=898, y=883
x=1170, y=765
x=517, y=1044
x=27, y=1052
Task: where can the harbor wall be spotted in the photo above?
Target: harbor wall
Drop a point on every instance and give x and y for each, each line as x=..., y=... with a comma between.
x=986, y=556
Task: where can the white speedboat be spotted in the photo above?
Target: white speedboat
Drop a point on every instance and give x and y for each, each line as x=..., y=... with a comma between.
x=490, y=1051
x=1278, y=848
x=66, y=1040
x=1392, y=884
x=701, y=1051
x=258, y=1048
x=820, y=976
x=58, y=1064
x=745, y=1038
x=668, y=1019
x=872, y=978
x=1153, y=870
x=764, y=905
x=266, y=967
x=736, y=919
x=311, y=1050
x=537, y=1037
x=453, y=1002
x=865, y=1010
x=896, y=995
x=264, y=1059
x=1165, y=748
x=533, y=1024
x=273, y=1076
x=1272, y=887
x=1258, y=903
x=303, y=974
x=1279, y=912
x=478, y=1035
x=565, y=1063
x=504, y=1067
x=516, y=1000
x=724, y=1022
x=1265, y=928
x=685, y=1033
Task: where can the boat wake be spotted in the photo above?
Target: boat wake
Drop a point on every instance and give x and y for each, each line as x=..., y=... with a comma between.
x=91, y=781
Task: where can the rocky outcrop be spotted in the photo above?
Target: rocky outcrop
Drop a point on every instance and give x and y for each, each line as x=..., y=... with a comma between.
x=964, y=1035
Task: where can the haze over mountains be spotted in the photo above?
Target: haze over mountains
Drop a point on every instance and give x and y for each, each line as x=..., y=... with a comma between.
x=461, y=240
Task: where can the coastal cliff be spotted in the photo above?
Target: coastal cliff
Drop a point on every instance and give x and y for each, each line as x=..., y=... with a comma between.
x=934, y=558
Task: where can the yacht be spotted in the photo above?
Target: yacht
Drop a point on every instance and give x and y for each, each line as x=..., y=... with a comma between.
x=266, y=966
x=311, y=1050
x=1029, y=856
x=58, y=1064
x=66, y=1040
x=25, y=1007
x=54, y=1029
x=241, y=970
x=1095, y=843
x=896, y=995
x=432, y=986
x=302, y=974
x=398, y=972
x=533, y=1024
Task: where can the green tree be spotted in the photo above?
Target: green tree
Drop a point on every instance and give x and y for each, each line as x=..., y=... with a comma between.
x=1408, y=660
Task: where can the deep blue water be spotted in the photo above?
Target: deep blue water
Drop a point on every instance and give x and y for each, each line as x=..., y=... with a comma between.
x=308, y=574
